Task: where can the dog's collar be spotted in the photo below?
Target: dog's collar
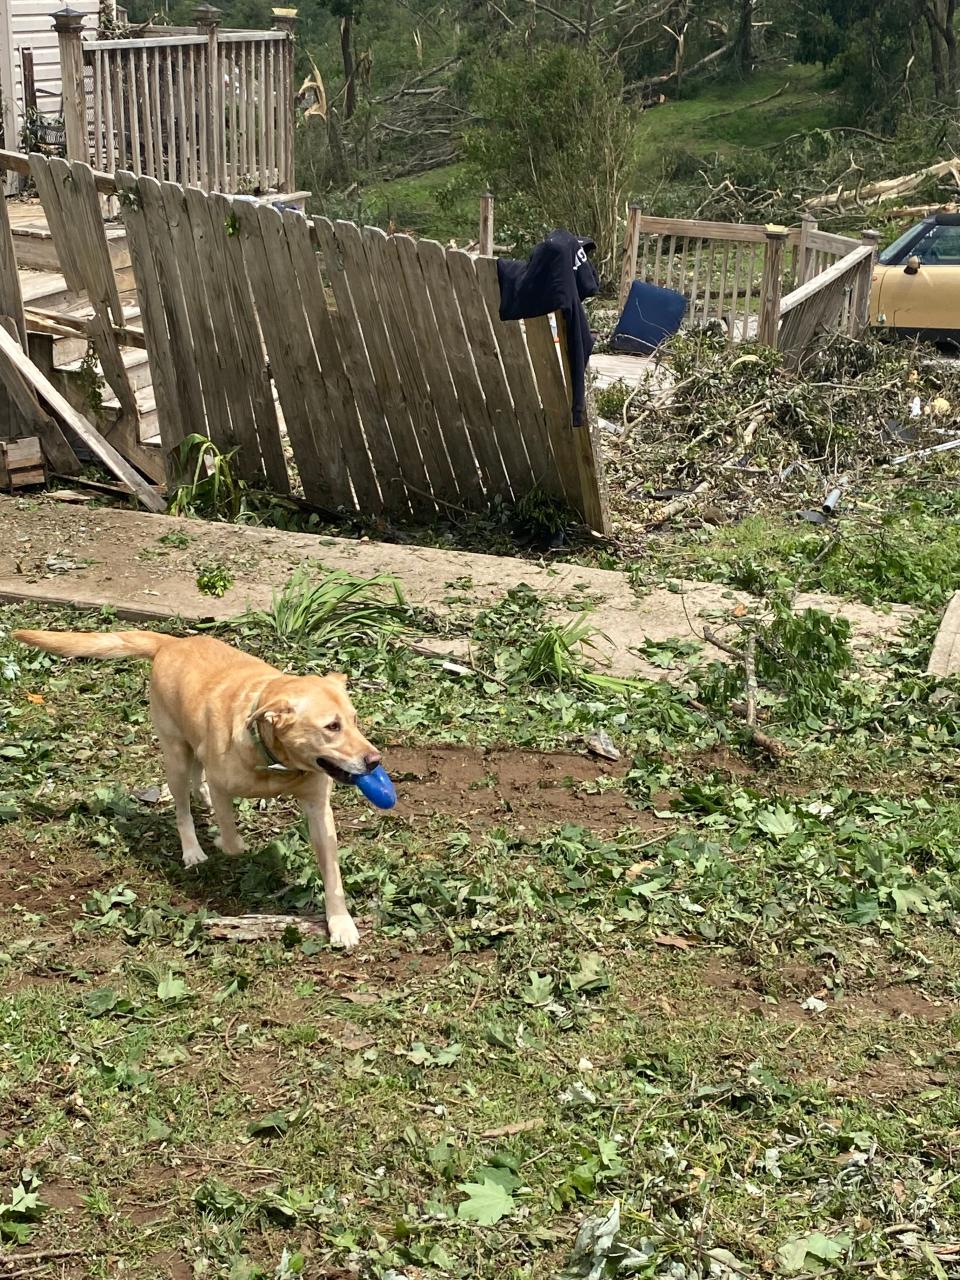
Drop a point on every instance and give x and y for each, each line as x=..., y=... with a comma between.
x=270, y=761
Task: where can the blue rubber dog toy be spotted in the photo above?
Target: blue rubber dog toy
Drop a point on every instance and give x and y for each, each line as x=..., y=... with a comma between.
x=377, y=787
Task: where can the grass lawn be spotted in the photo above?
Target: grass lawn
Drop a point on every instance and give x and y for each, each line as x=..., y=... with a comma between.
x=721, y=994
x=731, y=114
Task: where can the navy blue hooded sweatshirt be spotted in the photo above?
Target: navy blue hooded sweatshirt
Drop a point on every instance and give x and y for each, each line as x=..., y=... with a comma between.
x=556, y=277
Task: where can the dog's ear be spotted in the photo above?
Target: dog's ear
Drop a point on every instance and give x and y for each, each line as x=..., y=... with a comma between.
x=338, y=678
x=275, y=713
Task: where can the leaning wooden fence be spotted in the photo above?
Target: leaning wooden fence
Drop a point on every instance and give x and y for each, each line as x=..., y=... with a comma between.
x=207, y=107
x=730, y=273
x=371, y=371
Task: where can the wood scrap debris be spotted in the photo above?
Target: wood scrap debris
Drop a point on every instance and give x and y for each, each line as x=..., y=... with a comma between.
x=13, y=360
x=262, y=928
x=731, y=438
x=28, y=413
x=21, y=464
x=945, y=654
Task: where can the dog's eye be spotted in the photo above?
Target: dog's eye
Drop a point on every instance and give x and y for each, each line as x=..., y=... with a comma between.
x=333, y=726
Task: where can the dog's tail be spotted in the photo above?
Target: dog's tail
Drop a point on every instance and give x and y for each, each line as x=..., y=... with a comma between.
x=95, y=644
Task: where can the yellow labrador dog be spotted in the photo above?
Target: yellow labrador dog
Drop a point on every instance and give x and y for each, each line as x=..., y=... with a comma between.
x=230, y=725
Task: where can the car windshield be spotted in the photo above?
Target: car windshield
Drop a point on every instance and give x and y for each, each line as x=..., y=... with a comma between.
x=940, y=244
x=892, y=252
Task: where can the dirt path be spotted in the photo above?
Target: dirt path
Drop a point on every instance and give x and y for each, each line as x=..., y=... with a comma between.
x=145, y=566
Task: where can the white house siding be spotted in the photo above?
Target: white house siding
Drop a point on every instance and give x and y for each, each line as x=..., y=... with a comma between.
x=29, y=24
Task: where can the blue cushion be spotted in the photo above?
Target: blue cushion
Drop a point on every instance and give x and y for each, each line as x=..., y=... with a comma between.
x=651, y=315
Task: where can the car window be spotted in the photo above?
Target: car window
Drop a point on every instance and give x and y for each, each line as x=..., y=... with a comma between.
x=939, y=247
x=893, y=251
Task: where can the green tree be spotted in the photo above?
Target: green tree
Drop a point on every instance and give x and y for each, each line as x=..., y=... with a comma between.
x=883, y=54
x=553, y=142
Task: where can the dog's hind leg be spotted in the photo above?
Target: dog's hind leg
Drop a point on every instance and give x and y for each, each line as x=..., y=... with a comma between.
x=180, y=764
x=229, y=839
x=199, y=787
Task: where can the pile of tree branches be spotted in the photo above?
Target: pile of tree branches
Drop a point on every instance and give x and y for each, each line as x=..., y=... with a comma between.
x=721, y=434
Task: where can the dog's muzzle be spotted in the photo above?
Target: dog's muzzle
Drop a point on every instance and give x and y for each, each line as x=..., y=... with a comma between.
x=334, y=770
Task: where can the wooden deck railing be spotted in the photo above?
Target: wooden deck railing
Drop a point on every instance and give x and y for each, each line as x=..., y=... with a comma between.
x=202, y=107
x=835, y=299
x=730, y=272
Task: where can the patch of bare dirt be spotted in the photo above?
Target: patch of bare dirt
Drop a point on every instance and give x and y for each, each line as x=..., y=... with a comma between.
x=527, y=788
x=167, y=1264
x=888, y=1077
x=900, y=1002
x=62, y=958
x=257, y=1071
x=60, y=1195
x=793, y=982
x=56, y=890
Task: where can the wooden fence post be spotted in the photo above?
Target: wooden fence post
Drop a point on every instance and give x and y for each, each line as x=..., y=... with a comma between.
x=860, y=302
x=771, y=286
x=29, y=82
x=68, y=24
x=486, y=225
x=207, y=19
x=808, y=223
x=631, y=243
x=286, y=20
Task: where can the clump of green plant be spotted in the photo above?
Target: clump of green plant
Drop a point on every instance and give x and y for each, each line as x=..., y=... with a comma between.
x=540, y=516
x=176, y=538
x=209, y=485
x=610, y=400
x=555, y=653
x=90, y=379
x=214, y=579
x=335, y=607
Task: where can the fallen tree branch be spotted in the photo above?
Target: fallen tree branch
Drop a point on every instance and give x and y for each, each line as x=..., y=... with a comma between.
x=578, y=27
x=750, y=680
x=678, y=504
x=876, y=192
x=746, y=711
x=689, y=71
x=732, y=111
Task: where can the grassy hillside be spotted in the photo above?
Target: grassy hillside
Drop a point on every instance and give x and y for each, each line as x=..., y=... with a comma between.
x=673, y=142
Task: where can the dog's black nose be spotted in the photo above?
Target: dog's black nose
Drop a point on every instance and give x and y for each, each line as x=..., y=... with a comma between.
x=372, y=759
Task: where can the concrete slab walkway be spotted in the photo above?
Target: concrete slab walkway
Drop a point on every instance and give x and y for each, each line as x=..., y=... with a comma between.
x=145, y=567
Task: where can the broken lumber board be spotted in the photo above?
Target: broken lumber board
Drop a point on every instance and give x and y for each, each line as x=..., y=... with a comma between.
x=945, y=654
x=11, y=297
x=60, y=326
x=257, y=928
x=33, y=417
x=20, y=163
x=21, y=463
x=77, y=423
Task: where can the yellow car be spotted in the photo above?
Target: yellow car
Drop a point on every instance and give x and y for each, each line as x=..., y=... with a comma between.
x=916, y=283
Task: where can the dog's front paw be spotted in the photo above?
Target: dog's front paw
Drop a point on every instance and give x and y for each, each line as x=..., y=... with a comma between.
x=343, y=932
x=193, y=857
x=234, y=846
